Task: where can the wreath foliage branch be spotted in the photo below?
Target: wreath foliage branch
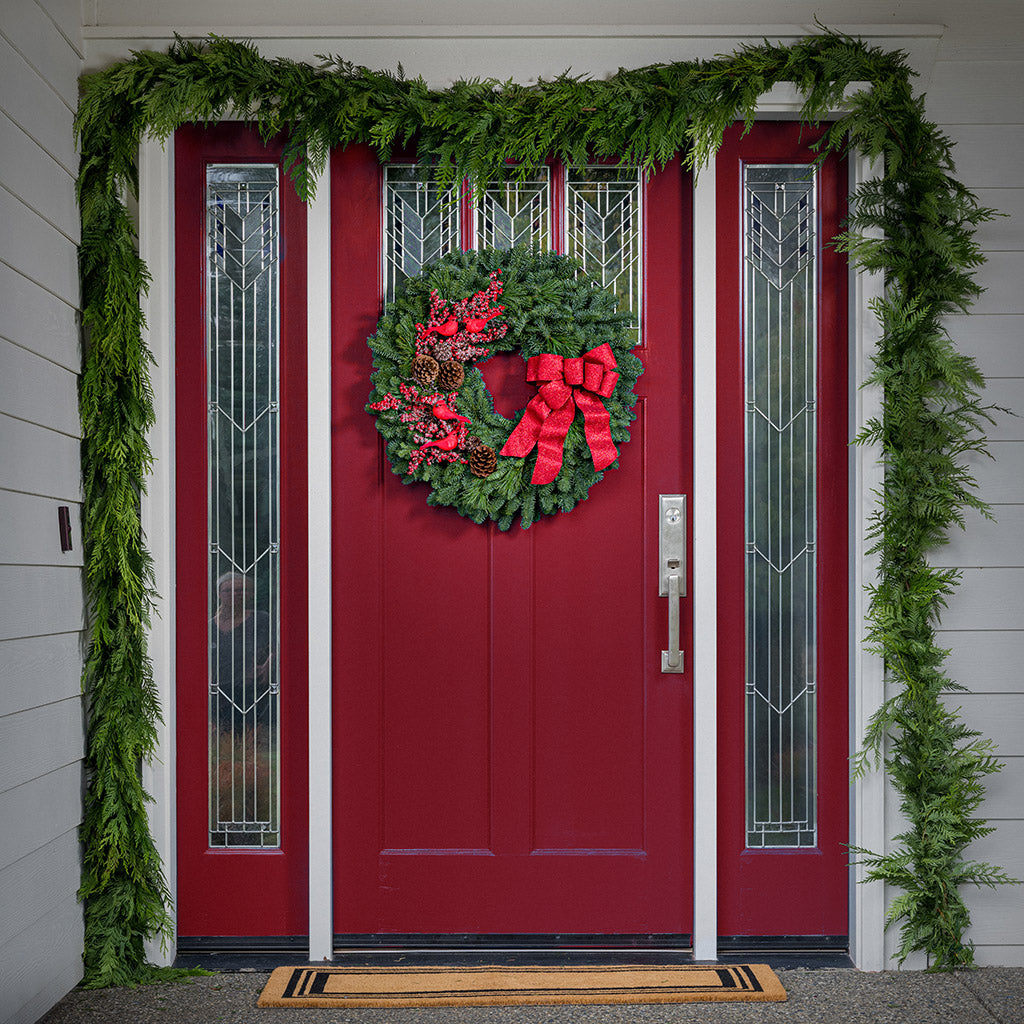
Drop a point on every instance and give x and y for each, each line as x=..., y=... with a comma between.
x=914, y=222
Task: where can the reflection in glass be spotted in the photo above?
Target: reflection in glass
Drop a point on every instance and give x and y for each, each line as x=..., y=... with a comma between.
x=421, y=224
x=242, y=232
x=603, y=229
x=780, y=246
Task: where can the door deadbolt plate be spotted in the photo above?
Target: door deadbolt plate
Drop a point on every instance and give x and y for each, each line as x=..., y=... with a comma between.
x=671, y=541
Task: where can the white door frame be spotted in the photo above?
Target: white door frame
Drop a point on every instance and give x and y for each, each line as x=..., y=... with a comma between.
x=156, y=240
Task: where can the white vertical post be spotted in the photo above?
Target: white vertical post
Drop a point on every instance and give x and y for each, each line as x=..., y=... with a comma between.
x=867, y=686
x=156, y=247
x=705, y=569
x=318, y=314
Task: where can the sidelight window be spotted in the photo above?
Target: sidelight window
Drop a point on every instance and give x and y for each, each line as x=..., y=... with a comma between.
x=242, y=302
x=780, y=268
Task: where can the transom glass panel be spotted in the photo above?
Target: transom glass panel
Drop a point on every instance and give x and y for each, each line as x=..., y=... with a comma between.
x=516, y=213
x=242, y=235
x=780, y=330
x=421, y=224
x=602, y=221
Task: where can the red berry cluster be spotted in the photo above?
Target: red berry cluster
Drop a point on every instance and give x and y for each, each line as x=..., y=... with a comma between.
x=433, y=423
x=462, y=330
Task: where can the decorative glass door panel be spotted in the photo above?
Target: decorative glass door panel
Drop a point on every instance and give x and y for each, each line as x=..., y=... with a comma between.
x=779, y=338
x=244, y=505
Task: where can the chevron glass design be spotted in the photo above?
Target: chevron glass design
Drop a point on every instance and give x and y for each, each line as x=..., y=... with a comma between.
x=242, y=236
x=780, y=330
x=515, y=213
x=421, y=224
x=603, y=220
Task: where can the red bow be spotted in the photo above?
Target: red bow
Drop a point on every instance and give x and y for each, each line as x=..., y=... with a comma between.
x=566, y=385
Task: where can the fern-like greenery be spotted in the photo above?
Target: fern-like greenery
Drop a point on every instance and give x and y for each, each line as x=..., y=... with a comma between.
x=932, y=418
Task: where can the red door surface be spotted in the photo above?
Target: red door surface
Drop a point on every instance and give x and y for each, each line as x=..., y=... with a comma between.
x=509, y=758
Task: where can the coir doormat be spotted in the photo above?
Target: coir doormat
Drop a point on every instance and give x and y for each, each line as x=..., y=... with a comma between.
x=511, y=986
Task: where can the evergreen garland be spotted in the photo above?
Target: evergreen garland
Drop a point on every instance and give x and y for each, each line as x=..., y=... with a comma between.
x=932, y=417
x=549, y=306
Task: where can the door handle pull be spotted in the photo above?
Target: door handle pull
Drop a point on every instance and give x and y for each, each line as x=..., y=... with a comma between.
x=671, y=571
x=672, y=659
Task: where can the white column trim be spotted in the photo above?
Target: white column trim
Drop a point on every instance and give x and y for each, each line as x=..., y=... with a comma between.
x=156, y=247
x=867, y=687
x=705, y=570
x=318, y=349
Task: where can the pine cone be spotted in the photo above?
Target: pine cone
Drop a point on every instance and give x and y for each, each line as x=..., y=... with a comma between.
x=424, y=370
x=451, y=375
x=471, y=443
x=483, y=461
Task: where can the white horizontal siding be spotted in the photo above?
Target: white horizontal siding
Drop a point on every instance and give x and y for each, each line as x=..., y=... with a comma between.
x=1006, y=230
x=38, y=460
x=41, y=964
x=980, y=104
x=39, y=670
x=40, y=111
x=984, y=661
x=1003, y=790
x=34, y=30
x=987, y=599
x=37, y=249
x=41, y=611
x=995, y=341
x=986, y=541
x=25, y=757
x=40, y=183
x=37, y=390
x=30, y=535
x=37, y=319
x=29, y=892
x=1001, y=477
x=41, y=600
x=986, y=155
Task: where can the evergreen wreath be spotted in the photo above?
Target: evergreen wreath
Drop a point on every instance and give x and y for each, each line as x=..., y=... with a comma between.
x=437, y=416
x=914, y=222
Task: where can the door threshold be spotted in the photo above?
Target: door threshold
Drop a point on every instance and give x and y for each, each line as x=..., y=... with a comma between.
x=779, y=952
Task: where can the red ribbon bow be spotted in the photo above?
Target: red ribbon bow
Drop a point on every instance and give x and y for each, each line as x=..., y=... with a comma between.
x=566, y=385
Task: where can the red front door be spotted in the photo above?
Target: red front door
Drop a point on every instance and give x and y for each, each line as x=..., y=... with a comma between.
x=509, y=757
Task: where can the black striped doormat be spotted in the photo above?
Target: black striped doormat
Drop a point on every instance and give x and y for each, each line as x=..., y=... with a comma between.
x=510, y=986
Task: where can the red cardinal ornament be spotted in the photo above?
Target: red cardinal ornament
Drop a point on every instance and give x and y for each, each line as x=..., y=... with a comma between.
x=477, y=324
x=446, y=443
x=442, y=412
x=448, y=329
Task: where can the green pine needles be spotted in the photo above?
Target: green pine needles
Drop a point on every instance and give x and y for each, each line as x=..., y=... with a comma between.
x=931, y=424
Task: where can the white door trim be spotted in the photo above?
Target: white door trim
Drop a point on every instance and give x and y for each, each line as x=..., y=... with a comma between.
x=156, y=246
x=318, y=397
x=156, y=243
x=705, y=569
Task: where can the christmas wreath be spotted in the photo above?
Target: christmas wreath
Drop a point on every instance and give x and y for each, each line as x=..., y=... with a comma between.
x=437, y=416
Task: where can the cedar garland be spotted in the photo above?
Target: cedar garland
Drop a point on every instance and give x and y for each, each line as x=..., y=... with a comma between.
x=931, y=424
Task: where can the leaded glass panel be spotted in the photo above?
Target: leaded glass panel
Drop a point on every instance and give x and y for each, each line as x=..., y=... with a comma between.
x=780, y=270
x=242, y=233
x=421, y=223
x=515, y=213
x=603, y=219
